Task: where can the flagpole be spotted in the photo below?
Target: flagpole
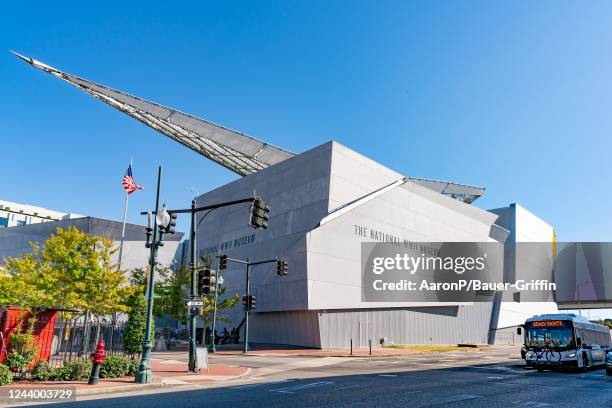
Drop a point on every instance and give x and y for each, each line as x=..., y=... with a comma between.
x=127, y=198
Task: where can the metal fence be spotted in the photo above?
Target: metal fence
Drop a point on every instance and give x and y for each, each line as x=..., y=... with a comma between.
x=75, y=339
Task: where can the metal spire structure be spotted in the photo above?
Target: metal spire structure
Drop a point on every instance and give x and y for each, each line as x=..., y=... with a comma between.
x=233, y=150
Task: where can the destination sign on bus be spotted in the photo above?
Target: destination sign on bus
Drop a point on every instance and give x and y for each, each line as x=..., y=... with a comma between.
x=548, y=323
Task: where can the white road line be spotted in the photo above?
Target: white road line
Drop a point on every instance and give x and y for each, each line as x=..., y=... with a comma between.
x=347, y=387
x=459, y=398
x=387, y=375
x=291, y=390
x=239, y=387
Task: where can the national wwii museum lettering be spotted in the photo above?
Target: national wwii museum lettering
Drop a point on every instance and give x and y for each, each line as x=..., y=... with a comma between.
x=381, y=236
x=230, y=244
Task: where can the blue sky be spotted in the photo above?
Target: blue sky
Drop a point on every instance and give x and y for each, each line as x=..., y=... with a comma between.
x=513, y=96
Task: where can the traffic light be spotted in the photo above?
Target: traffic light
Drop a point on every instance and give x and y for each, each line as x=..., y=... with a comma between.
x=171, y=228
x=248, y=302
x=171, y=219
x=222, y=262
x=259, y=214
x=281, y=268
x=207, y=281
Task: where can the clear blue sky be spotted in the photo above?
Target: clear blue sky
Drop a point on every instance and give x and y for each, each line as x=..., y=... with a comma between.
x=513, y=96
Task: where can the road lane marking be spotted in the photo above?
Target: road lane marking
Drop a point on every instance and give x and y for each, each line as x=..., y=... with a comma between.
x=240, y=387
x=349, y=386
x=291, y=390
x=459, y=398
x=387, y=375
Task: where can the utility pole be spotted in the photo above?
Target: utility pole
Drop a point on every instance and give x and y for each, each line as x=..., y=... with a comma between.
x=247, y=309
x=193, y=292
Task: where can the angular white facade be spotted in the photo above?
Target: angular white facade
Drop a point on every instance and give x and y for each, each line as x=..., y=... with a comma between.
x=524, y=227
x=325, y=203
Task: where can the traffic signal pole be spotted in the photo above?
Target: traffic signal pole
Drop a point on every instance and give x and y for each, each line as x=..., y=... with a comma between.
x=193, y=290
x=259, y=219
x=193, y=267
x=248, y=265
x=246, y=312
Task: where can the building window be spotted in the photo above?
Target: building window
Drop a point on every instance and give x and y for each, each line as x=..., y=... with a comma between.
x=4, y=221
x=21, y=222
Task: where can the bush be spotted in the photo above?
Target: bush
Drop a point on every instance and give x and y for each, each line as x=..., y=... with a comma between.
x=133, y=338
x=72, y=371
x=133, y=367
x=23, y=350
x=6, y=375
x=42, y=371
x=116, y=366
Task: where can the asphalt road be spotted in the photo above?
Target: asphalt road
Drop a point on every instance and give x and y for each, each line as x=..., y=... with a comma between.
x=476, y=379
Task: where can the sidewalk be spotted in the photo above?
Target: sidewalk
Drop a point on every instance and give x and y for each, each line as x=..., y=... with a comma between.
x=261, y=349
x=377, y=351
x=166, y=373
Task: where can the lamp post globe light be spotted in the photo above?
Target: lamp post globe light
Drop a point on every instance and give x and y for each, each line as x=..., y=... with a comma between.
x=162, y=219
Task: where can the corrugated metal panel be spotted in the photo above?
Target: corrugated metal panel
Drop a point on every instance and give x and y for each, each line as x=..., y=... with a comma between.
x=432, y=325
x=300, y=328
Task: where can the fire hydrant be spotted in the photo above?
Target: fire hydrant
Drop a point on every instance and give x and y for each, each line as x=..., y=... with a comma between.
x=97, y=358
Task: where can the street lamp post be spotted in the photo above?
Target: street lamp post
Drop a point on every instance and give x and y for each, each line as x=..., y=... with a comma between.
x=144, y=374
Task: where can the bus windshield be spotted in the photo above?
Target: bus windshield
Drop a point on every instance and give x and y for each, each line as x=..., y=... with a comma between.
x=542, y=334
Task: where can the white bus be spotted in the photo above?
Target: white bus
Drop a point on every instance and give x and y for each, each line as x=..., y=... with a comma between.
x=555, y=340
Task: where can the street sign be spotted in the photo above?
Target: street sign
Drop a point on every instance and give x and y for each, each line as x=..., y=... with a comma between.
x=194, y=303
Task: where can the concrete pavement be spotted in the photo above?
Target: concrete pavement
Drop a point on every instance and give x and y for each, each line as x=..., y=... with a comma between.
x=493, y=377
x=166, y=373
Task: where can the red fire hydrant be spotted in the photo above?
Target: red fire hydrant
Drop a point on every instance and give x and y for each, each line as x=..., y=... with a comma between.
x=97, y=358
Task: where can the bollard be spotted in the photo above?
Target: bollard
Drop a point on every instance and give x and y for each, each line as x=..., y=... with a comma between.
x=98, y=359
x=370, y=342
x=351, y=347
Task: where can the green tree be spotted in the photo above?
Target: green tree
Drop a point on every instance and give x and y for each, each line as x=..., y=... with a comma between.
x=71, y=270
x=209, y=305
x=170, y=290
x=209, y=301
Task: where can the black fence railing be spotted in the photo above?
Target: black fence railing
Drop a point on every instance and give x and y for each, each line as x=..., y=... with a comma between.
x=76, y=339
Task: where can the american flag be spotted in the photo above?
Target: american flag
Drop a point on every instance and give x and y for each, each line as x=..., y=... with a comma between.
x=129, y=184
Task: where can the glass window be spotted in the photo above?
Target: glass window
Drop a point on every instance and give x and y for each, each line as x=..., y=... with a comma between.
x=4, y=221
x=21, y=222
x=549, y=336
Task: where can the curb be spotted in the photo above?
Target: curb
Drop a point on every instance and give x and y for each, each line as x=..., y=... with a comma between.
x=82, y=392
x=139, y=387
